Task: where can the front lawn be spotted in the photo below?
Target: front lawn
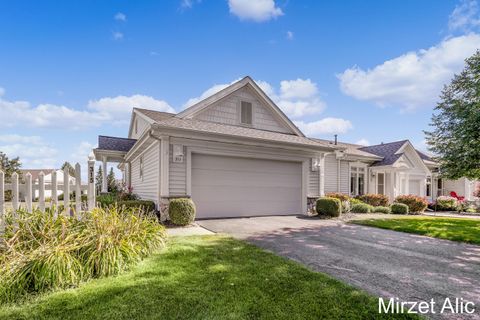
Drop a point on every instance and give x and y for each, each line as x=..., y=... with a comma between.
x=208, y=277
x=456, y=229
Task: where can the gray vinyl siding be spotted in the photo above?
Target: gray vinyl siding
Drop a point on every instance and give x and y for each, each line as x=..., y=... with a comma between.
x=344, y=168
x=142, y=125
x=178, y=175
x=148, y=187
x=331, y=168
x=227, y=111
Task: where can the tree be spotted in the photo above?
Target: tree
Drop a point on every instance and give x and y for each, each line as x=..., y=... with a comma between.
x=111, y=182
x=69, y=167
x=455, y=138
x=9, y=166
x=98, y=179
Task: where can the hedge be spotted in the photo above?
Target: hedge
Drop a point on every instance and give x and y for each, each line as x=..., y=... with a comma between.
x=399, y=208
x=327, y=206
x=374, y=199
x=361, y=208
x=340, y=196
x=181, y=211
x=381, y=209
x=415, y=204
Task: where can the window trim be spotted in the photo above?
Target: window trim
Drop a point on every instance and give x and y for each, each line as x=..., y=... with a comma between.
x=357, y=165
x=140, y=167
x=428, y=187
x=239, y=112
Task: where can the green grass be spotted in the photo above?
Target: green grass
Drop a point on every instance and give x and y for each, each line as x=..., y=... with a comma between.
x=456, y=229
x=209, y=277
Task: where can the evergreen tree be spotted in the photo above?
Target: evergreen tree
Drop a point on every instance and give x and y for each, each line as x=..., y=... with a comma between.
x=111, y=183
x=455, y=138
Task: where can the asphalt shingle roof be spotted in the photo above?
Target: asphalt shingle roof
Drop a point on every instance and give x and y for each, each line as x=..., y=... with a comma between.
x=115, y=143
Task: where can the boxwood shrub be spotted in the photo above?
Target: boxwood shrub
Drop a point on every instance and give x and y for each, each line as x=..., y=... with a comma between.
x=374, y=199
x=361, y=208
x=181, y=211
x=331, y=207
x=381, y=209
x=399, y=208
x=415, y=204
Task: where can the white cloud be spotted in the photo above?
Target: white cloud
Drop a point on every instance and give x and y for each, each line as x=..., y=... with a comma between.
x=290, y=35
x=80, y=155
x=324, y=126
x=188, y=4
x=412, y=80
x=363, y=142
x=297, y=98
x=116, y=110
x=258, y=10
x=120, y=17
x=117, y=35
x=119, y=108
x=33, y=151
x=465, y=16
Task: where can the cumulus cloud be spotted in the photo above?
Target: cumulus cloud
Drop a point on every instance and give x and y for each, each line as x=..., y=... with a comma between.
x=412, y=80
x=465, y=17
x=120, y=17
x=258, y=10
x=363, y=142
x=110, y=110
x=33, y=151
x=324, y=126
x=297, y=98
x=119, y=108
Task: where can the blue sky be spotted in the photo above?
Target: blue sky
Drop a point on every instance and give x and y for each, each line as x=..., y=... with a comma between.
x=370, y=71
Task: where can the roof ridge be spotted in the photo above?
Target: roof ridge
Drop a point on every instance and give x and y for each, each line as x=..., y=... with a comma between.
x=113, y=137
x=145, y=109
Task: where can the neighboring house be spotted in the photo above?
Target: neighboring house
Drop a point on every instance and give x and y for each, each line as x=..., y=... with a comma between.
x=236, y=153
x=47, y=179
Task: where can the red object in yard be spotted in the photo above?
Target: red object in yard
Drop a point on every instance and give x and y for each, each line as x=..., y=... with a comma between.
x=454, y=194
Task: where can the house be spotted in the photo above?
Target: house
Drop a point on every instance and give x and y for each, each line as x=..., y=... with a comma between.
x=237, y=154
x=48, y=181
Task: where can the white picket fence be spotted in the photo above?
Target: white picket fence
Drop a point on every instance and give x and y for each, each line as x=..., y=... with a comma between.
x=29, y=189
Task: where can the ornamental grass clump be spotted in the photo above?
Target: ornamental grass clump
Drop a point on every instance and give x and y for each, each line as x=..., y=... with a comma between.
x=42, y=251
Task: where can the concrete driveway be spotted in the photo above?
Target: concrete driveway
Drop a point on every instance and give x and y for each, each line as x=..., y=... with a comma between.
x=383, y=262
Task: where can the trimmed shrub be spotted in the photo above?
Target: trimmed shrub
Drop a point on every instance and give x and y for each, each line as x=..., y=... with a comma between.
x=340, y=196
x=44, y=251
x=399, y=208
x=415, y=204
x=381, y=209
x=361, y=208
x=327, y=206
x=181, y=211
x=374, y=199
x=446, y=203
x=355, y=201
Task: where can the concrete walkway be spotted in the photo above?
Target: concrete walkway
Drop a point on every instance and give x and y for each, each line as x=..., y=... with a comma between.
x=383, y=262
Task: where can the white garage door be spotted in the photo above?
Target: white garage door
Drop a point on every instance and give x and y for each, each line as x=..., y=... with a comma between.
x=234, y=187
x=414, y=187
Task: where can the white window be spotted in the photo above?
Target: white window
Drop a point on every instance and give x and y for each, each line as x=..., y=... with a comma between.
x=439, y=187
x=428, y=191
x=141, y=168
x=246, y=113
x=357, y=180
x=381, y=183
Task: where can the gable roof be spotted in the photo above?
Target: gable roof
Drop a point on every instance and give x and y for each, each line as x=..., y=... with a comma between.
x=387, y=151
x=350, y=148
x=238, y=131
x=115, y=143
x=245, y=82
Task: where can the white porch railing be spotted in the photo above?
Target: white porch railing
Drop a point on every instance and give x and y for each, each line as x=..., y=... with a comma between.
x=30, y=188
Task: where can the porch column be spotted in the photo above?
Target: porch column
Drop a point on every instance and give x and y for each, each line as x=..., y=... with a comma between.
x=407, y=183
x=321, y=175
x=104, y=175
x=128, y=168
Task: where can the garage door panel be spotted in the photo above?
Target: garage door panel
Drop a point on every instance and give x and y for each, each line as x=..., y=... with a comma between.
x=228, y=178
x=230, y=187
